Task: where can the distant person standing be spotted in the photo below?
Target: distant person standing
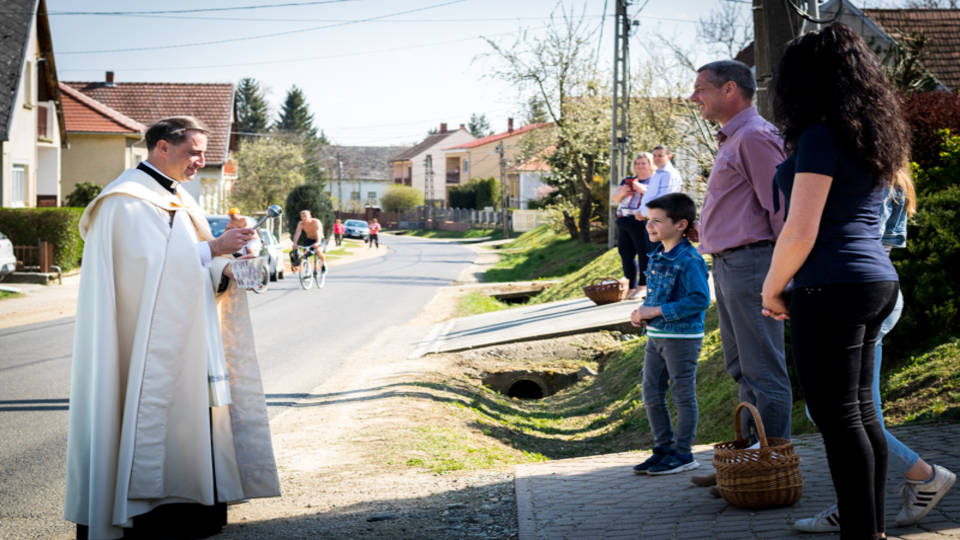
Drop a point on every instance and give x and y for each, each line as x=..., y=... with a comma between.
x=738, y=227
x=338, y=230
x=666, y=179
x=374, y=233
x=632, y=242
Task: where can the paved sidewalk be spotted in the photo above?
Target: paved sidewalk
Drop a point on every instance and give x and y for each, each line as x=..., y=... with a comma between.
x=600, y=497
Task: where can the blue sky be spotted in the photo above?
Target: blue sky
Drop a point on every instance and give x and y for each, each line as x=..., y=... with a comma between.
x=375, y=72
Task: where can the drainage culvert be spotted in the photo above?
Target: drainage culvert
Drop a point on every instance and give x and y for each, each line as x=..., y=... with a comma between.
x=530, y=384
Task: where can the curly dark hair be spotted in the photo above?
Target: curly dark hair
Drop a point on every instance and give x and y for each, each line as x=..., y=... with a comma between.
x=832, y=77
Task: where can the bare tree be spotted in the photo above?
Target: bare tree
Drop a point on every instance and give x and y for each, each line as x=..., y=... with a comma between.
x=728, y=28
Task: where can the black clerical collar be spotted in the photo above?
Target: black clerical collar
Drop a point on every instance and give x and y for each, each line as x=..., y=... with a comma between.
x=168, y=183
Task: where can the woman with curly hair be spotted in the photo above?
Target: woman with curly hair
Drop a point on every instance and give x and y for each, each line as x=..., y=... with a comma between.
x=842, y=125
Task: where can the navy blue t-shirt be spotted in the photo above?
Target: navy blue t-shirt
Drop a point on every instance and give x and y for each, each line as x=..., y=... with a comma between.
x=848, y=248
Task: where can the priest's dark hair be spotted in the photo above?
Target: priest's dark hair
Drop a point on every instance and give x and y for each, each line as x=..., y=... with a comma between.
x=173, y=130
x=677, y=206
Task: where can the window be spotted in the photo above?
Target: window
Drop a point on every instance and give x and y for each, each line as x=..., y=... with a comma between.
x=19, y=185
x=43, y=121
x=371, y=194
x=354, y=195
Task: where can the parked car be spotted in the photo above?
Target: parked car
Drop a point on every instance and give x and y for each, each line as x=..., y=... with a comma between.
x=274, y=254
x=218, y=224
x=356, y=228
x=8, y=261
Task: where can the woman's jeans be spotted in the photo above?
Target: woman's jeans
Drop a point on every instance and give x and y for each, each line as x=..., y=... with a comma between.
x=632, y=245
x=834, y=334
x=671, y=363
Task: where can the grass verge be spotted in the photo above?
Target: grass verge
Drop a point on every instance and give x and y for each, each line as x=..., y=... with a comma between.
x=7, y=294
x=474, y=303
x=541, y=253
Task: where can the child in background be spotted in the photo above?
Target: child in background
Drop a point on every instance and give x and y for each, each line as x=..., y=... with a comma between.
x=673, y=313
x=374, y=233
x=338, y=230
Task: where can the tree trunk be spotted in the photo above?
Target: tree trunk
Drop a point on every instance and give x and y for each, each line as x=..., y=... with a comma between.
x=585, y=200
x=570, y=224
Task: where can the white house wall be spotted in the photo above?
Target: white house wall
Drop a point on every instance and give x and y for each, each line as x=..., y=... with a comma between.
x=21, y=146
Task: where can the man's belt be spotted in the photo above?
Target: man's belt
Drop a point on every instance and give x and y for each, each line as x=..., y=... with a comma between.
x=752, y=245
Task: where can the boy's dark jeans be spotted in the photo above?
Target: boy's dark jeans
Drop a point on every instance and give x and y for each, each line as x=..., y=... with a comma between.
x=834, y=331
x=671, y=364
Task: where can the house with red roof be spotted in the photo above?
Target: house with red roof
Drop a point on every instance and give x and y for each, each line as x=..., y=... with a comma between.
x=31, y=119
x=479, y=158
x=423, y=166
x=525, y=180
x=103, y=142
x=144, y=103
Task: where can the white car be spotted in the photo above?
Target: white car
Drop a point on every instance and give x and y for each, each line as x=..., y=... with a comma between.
x=8, y=261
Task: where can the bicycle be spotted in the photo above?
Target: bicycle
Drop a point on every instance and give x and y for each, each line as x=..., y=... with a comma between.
x=308, y=273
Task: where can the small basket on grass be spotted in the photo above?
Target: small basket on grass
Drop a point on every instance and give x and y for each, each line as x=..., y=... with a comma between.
x=606, y=290
x=757, y=478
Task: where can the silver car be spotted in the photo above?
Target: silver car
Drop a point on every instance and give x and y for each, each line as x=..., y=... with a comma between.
x=274, y=254
x=8, y=261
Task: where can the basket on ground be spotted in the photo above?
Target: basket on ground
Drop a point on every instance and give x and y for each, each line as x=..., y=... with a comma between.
x=757, y=478
x=606, y=290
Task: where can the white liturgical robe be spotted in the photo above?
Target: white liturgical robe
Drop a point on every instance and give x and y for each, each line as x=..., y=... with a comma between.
x=151, y=418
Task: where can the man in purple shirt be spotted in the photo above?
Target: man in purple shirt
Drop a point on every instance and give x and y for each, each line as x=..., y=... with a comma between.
x=738, y=227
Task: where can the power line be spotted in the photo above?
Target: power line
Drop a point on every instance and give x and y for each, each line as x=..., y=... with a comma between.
x=262, y=36
x=202, y=10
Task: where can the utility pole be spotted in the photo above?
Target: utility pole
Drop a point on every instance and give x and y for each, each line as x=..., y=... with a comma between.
x=619, y=130
x=503, y=191
x=428, y=184
x=339, y=183
x=774, y=24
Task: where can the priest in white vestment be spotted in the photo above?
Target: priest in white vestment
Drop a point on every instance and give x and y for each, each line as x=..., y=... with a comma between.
x=166, y=402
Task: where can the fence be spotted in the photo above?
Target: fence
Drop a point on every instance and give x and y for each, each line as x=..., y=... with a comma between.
x=39, y=257
x=452, y=219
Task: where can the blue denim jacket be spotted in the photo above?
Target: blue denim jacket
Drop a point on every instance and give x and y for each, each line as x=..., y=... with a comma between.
x=677, y=282
x=893, y=219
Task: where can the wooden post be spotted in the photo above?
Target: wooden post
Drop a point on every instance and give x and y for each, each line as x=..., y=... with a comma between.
x=45, y=256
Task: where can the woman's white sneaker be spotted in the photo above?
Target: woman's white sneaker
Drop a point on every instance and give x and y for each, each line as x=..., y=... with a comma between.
x=919, y=498
x=826, y=521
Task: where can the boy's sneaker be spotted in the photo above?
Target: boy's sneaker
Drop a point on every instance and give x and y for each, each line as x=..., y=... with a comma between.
x=826, y=521
x=673, y=463
x=659, y=452
x=919, y=498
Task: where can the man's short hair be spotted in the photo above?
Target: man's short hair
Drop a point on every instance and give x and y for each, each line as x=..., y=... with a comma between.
x=660, y=147
x=173, y=130
x=677, y=206
x=723, y=71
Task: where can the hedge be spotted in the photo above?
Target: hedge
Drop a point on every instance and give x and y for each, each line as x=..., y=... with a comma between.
x=59, y=226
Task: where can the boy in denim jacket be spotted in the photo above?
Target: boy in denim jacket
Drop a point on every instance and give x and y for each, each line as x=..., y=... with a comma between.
x=673, y=313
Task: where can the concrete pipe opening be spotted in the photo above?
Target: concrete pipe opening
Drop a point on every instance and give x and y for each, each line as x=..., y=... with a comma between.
x=525, y=389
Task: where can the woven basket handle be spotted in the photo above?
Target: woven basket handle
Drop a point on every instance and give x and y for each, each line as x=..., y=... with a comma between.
x=761, y=432
x=599, y=280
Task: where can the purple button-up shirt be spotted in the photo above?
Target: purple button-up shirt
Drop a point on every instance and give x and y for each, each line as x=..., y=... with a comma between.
x=738, y=208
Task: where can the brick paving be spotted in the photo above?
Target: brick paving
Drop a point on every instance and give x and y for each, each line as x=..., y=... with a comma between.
x=600, y=497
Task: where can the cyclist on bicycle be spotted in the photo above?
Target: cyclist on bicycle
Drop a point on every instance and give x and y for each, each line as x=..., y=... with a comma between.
x=312, y=230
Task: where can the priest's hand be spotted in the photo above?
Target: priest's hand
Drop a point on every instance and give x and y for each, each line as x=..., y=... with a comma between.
x=231, y=241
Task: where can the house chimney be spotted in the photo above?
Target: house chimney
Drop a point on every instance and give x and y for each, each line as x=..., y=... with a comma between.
x=109, y=81
x=509, y=125
x=443, y=127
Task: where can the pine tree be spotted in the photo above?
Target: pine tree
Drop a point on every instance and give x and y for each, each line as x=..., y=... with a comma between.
x=295, y=116
x=252, y=113
x=479, y=126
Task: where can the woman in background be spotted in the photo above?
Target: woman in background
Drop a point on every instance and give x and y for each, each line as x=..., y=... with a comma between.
x=632, y=240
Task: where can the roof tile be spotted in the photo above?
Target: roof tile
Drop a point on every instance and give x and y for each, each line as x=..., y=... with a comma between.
x=87, y=115
x=940, y=27
x=498, y=136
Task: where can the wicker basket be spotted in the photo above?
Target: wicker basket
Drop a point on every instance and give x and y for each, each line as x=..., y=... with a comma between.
x=606, y=290
x=764, y=477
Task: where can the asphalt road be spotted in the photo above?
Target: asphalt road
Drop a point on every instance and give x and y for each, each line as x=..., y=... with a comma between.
x=302, y=338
